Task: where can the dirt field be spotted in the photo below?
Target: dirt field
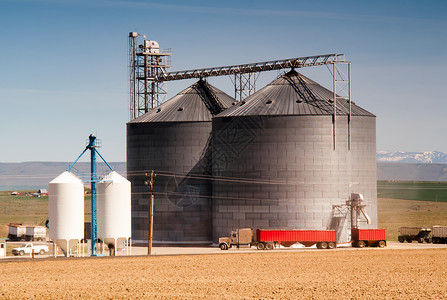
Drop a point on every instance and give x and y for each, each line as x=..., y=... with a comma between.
x=359, y=274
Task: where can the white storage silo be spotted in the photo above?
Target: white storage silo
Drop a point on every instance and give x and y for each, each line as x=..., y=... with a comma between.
x=66, y=211
x=114, y=210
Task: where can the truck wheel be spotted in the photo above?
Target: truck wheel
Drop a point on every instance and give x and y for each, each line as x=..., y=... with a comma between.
x=269, y=246
x=401, y=239
x=42, y=252
x=420, y=240
x=409, y=240
x=223, y=246
x=21, y=252
x=260, y=246
x=331, y=245
x=381, y=244
x=323, y=245
x=361, y=244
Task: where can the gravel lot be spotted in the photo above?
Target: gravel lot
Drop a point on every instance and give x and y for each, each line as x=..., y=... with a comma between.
x=419, y=272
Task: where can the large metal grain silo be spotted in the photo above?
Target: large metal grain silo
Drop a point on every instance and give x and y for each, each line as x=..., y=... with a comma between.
x=290, y=160
x=174, y=141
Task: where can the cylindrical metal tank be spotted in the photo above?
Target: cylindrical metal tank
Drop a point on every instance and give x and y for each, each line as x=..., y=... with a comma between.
x=66, y=210
x=174, y=140
x=290, y=160
x=114, y=209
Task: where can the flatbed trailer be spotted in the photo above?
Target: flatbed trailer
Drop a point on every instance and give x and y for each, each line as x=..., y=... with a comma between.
x=368, y=237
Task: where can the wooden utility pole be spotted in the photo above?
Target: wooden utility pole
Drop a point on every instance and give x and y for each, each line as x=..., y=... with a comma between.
x=150, y=183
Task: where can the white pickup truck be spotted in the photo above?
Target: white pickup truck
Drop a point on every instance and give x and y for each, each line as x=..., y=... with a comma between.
x=28, y=248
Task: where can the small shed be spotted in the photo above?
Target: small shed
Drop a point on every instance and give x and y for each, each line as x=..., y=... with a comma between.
x=43, y=192
x=3, y=247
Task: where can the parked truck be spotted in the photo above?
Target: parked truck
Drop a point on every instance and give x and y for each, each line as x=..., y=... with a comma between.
x=439, y=234
x=270, y=239
x=28, y=248
x=17, y=232
x=35, y=233
x=411, y=234
x=368, y=237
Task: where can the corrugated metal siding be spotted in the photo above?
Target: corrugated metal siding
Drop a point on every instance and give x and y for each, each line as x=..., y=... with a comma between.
x=186, y=106
x=289, y=95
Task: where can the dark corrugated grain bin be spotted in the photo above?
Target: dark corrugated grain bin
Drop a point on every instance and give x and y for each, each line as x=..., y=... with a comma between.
x=174, y=140
x=279, y=147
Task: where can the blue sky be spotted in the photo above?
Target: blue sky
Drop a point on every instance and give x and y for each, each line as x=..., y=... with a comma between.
x=64, y=63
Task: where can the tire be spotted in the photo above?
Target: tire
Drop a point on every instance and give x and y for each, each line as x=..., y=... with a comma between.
x=354, y=244
x=269, y=246
x=260, y=246
x=323, y=245
x=381, y=244
x=401, y=239
x=331, y=245
x=420, y=240
x=21, y=252
x=409, y=240
x=41, y=252
x=361, y=244
x=223, y=246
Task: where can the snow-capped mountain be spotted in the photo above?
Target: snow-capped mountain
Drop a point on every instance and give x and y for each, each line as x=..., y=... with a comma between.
x=433, y=157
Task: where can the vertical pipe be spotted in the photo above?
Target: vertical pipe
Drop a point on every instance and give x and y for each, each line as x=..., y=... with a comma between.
x=235, y=87
x=151, y=214
x=350, y=108
x=146, y=74
x=92, y=147
x=334, y=75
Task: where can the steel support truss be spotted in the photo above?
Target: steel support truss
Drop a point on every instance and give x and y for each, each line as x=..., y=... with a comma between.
x=245, y=75
x=341, y=80
x=148, y=76
x=145, y=66
x=299, y=62
x=244, y=85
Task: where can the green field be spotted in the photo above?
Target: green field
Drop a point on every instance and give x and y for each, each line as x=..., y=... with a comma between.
x=27, y=210
x=399, y=204
x=422, y=191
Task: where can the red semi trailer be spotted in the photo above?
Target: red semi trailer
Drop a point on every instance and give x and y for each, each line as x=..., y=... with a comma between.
x=368, y=237
x=322, y=238
x=269, y=239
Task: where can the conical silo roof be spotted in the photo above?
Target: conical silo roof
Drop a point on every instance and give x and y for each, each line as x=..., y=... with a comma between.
x=66, y=177
x=199, y=102
x=292, y=94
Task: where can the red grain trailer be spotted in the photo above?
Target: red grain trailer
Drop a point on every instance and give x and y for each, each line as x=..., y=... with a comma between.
x=324, y=239
x=368, y=237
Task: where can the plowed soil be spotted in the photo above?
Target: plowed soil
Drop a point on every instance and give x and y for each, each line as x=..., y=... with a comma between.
x=324, y=274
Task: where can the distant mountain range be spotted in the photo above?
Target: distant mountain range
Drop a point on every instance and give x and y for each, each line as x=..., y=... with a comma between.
x=409, y=166
x=433, y=157
x=36, y=175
